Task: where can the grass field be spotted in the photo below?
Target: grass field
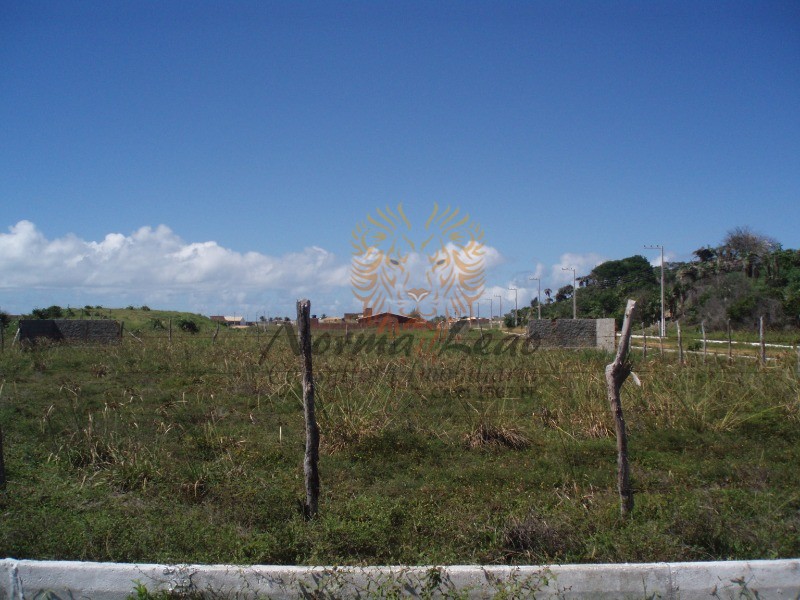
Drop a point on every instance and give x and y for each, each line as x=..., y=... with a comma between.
x=192, y=452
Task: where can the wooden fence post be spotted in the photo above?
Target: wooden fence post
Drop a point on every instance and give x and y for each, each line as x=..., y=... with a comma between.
x=311, y=461
x=680, y=343
x=730, y=344
x=644, y=341
x=170, y=330
x=2, y=337
x=616, y=374
x=761, y=340
x=798, y=360
x=703, y=329
x=2, y=461
x=216, y=333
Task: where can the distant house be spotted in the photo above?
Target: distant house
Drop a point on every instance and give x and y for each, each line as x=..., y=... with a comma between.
x=388, y=319
x=330, y=320
x=229, y=321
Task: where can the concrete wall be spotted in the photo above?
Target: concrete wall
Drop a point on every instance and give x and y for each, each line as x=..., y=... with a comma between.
x=773, y=579
x=573, y=333
x=104, y=331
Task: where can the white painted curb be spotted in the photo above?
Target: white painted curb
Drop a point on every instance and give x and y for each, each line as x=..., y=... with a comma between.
x=28, y=579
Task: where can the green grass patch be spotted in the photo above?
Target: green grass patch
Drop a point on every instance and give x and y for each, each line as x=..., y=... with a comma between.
x=192, y=452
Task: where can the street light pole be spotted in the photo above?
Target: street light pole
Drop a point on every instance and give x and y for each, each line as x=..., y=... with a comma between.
x=538, y=296
x=574, y=292
x=501, y=305
x=663, y=321
x=516, y=307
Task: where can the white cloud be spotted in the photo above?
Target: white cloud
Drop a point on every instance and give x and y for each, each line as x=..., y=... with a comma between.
x=668, y=257
x=156, y=263
x=582, y=263
x=492, y=257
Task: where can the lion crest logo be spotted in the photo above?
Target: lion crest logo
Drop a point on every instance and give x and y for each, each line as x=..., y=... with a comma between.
x=437, y=269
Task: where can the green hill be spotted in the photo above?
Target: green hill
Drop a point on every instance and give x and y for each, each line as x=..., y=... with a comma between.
x=745, y=277
x=134, y=319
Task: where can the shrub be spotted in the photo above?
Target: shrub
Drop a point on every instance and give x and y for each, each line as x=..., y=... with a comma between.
x=741, y=309
x=188, y=326
x=51, y=312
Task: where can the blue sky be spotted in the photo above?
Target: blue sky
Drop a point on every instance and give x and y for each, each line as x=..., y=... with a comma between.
x=254, y=136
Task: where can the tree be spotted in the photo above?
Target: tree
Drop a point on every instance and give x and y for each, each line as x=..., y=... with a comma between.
x=743, y=241
x=547, y=293
x=632, y=271
x=564, y=293
x=5, y=318
x=705, y=254
x=748, y=249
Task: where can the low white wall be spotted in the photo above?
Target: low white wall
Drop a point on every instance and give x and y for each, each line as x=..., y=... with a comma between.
x=775, y=579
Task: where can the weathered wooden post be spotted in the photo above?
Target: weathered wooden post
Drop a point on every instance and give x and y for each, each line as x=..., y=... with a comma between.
x=798, y=359
x=2, y=461
x=703, y=330
x=216, y=333
x=761, y=340
x=170, y=330
x=311, y=461
x=616, y=374
x=644, y=341
x=730, y=344
x=680, y=343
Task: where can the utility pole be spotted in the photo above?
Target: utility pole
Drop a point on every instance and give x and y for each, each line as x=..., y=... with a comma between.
x=501, y=306
x=663, y=322
x=574, y=292
x=538, y=296
x=516, y=307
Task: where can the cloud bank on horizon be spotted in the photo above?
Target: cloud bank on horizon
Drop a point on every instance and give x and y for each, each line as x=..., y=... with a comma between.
x=155, y=266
